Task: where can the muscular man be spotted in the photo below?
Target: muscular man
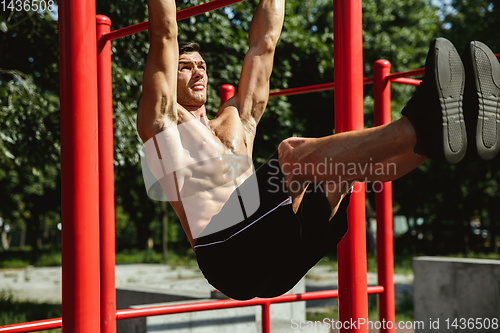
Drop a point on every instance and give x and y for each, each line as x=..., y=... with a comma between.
x=256, y=234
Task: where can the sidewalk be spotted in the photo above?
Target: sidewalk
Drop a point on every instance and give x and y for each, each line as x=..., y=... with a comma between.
x=44, y=284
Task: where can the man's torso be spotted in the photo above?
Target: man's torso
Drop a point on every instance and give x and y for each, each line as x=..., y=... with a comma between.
x=205, y=186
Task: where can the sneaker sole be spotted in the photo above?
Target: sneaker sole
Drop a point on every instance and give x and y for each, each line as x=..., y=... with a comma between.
x=486, y=73
x=450, y=78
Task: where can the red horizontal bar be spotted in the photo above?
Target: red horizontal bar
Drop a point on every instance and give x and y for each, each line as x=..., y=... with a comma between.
x=181, y=15
x=404, y=80
x=367, y=80
x=224, y=304
x=414, y=72
x=400, y=77
x=41, y=325
x=33, y=326
x=395, y=77
x=302, y=90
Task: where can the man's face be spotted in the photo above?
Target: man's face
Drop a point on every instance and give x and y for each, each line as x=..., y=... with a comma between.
x=192, y=80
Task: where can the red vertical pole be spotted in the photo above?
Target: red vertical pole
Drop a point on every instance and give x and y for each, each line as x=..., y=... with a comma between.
x=106, y=178
x=266, y=317
x=226, y=92
x=383, y=198
x=348, y=53
x=79, y=167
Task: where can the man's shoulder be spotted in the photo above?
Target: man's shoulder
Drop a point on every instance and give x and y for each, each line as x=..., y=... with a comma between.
x=230, y=110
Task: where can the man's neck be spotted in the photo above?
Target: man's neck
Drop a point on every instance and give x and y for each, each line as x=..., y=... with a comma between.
x=197, y=111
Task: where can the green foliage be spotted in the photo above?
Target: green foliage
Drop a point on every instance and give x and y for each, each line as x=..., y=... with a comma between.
x=404, y=311
x=29, y=113
x=470, y=189
x=403, y=263
x=49, y=259
x=14, y=263
x=133, y=256
x=398, y=31
x=13, y=311
x=175, y=258
x=29, y=44
x=21, y=258
x=466, y=20
x=29, y=151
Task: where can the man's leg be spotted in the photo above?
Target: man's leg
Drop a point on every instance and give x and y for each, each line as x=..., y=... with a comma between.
x=381, y=153
x=344, y=156
x=434, y=127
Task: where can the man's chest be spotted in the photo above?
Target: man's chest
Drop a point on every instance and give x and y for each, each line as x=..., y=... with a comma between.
x=230, y=134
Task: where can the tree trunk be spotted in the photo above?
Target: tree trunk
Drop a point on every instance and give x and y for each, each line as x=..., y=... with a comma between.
x=34, y=225
x=5, y=240
x=493, y=227
x=465, y=226
x=45, y=228
x=22, y=239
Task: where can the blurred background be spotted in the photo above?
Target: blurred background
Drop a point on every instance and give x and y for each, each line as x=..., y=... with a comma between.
x=438, y=209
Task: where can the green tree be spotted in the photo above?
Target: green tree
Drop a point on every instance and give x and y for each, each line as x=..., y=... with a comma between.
x=466, y=20
x=398, y=31
x=29, y=152
x=29, y=113
x=452, y=196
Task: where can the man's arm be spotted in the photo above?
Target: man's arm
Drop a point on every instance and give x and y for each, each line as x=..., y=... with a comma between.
x=265, y=30
x=158, y=105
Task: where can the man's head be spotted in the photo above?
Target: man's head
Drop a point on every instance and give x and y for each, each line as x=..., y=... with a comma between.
x=191, y=76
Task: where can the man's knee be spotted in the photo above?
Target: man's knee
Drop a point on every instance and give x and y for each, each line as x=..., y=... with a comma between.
x=290, y=159
x=287, y=148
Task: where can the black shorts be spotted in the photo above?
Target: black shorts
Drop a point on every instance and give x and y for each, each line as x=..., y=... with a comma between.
x=268, y=253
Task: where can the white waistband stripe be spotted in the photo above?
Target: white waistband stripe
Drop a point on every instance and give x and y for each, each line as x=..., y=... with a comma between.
x=288, y=201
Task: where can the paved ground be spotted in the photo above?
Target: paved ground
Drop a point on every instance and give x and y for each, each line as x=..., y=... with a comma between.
x=44, y=284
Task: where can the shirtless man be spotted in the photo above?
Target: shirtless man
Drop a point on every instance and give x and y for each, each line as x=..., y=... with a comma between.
x=253, y=237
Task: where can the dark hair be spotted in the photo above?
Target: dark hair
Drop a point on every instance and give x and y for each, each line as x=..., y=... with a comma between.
x=185, y=47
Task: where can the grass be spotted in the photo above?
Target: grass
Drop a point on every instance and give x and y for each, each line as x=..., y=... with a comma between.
x=47, y=256
x=403, y=263
x=492, y=256
x=150, y=256
x=404, y=310
x=16, y=258
x=21, y=258
x=14, y=311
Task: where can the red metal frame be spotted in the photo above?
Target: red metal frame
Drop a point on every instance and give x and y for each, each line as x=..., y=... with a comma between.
x=302, y=90
x=386, y=265
x=226, y=92
x=348, y=54
x=106, y=178
x=79, y=167
x=181, y=15
x=85, y=259
x=383, y=205
x=192, y=307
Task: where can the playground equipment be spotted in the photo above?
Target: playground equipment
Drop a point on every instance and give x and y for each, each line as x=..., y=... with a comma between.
x=89, y=295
